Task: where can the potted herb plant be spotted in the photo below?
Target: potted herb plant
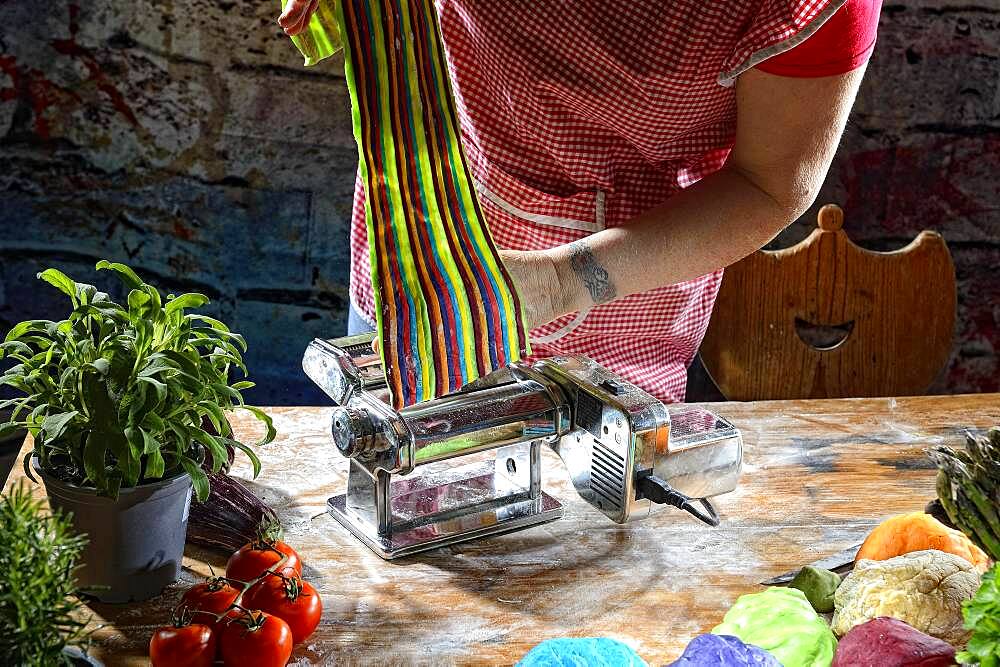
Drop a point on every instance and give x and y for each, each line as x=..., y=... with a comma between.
x=41, y=618
x=125, y=404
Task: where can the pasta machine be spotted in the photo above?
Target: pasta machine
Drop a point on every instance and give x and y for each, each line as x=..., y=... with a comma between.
x=408, y=489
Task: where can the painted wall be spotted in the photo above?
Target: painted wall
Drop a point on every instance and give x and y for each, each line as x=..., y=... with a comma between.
x=185, y=138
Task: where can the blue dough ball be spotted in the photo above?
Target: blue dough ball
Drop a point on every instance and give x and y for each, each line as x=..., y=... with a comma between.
x=723, y=651
x=583, y=652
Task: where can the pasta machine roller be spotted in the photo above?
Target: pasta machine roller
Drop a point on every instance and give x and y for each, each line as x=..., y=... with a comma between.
x=408, y=489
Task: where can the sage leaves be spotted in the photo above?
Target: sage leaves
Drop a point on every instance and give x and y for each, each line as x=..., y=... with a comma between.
x=119, y=394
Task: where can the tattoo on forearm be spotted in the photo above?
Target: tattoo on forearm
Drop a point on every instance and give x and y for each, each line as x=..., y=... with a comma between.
x=594, y=276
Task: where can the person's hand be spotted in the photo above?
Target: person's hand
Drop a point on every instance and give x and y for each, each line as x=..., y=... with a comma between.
x=536, y=280
x=296, y=16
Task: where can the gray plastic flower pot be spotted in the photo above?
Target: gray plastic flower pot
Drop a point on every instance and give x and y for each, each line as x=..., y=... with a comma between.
x=136, y=543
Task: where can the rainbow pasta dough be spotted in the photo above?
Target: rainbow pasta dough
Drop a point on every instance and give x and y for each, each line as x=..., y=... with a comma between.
x=446, y=310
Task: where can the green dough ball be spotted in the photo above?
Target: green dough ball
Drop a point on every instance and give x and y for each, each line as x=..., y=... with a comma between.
x=819, y=586
x=782, y=621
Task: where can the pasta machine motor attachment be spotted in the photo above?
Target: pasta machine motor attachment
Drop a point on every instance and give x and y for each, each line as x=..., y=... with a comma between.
x=625, y=452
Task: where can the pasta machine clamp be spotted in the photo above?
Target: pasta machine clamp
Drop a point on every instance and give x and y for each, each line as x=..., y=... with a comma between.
x=625, y=452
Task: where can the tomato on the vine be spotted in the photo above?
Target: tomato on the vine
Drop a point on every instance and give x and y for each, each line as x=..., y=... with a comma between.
x=183, y=646
x=256, y=639
x=214, y=596
x=289, y=598
x=254, y=559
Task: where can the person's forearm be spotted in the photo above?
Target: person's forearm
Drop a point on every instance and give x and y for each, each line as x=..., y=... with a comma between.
x=712, y=224
x=787, y=132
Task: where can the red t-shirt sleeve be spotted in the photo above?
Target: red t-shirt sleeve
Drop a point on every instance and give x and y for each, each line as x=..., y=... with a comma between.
x=844, y=43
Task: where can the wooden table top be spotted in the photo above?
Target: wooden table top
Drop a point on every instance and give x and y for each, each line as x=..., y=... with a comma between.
x=818, y=475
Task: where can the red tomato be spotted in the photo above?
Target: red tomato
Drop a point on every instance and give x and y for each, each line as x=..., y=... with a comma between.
x=253, y=560
x=220, y=627
x=214, y=596
x=256, y=639
x=186, y=646
x=289, y=598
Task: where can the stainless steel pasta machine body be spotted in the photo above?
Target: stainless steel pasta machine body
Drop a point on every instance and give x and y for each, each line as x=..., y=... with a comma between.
x=408, y=489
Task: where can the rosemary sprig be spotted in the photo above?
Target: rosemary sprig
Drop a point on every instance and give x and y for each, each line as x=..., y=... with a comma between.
x=39, y=611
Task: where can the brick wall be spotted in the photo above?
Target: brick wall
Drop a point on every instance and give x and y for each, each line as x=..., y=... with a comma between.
x=185, y=138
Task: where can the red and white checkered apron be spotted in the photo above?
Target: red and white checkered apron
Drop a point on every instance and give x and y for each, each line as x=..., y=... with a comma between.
x=581, y=115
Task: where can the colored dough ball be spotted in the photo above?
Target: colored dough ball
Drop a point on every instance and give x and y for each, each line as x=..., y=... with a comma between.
x=781, y=621
x=924, y=589
x=723, y=651
x=818, y=585
x=572, y=652
x=888, y=642
x=917, y=531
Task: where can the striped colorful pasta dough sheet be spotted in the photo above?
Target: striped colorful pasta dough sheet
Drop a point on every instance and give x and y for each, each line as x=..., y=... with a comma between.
x=447, y=312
